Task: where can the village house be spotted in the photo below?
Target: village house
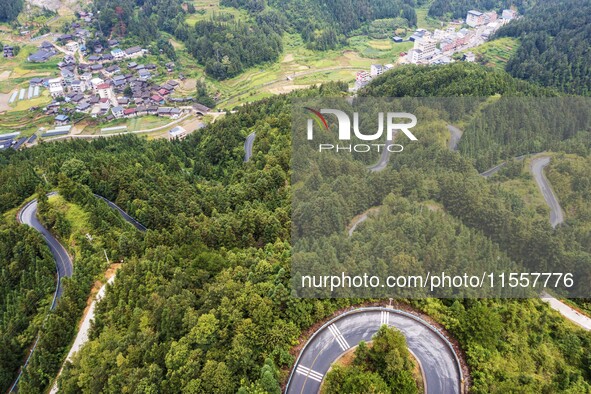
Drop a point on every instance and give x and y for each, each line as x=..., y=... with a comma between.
x=117, y=112
x=157, y=99
x=8, y=51
x=56, y=88
x=72, y=46
x=95, y=82
x=105, y=91
x=134, y=52
x=129, y=113
x=177, y=132
x=83, y=107
x=475, y=18
x=96, y=67
x=76, y=98
x=61, y=120
x=118, y=54
x=111, y=70
x=375, y=70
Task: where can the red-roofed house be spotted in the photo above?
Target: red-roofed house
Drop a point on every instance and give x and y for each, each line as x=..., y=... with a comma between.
x=105, y=91
x=157, y=99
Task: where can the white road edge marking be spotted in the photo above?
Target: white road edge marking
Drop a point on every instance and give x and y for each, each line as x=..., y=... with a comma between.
x=339, y=337
x=384, y=318
x=317, y=376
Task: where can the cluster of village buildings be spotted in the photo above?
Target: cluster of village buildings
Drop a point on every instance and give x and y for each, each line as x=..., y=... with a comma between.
x=438, y=46
x=113, y=88
x=109, y=83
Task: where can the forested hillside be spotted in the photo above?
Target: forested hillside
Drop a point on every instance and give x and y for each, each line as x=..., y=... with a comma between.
x=9, y=9
x=325, y=25
x=203, y=302
x=555, y=45
x=223, y=45
x=487, y=135
x=27, y=283
x=458, y=8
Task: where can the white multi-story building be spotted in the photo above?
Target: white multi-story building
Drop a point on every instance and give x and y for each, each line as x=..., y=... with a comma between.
x=426, y=47
x=362, y=78
x=56, y=87
x=474, y=18
x=95, y=82
x=78, y=86
x=375, y=70
x=72, y=46
x=104, y=90
x=416, y=55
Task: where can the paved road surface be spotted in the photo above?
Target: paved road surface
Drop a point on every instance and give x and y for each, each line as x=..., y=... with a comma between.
x=63, y=263
x=248, y=146
x=123, y=214
x=438, y=361
x=537, y=168
x=454, y=139
x=491, y=171
x=568, y=312
x=384, y=157
x=556, y=217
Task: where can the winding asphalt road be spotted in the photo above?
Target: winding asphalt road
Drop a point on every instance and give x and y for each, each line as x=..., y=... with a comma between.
x=491, y=171
x=123, y=214
x=248, y=146
x=63, y=262
x=456, y=135
x=439, y=364
x=384, y=157
x=537, y=168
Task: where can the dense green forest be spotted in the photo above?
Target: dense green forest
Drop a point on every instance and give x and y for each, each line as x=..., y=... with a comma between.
x=504, y=128
x=555, y=48
x=458, y=9
x=325, y=25
x=27, y=284
x=203, y=302
x=9, y=9
x=570, y=177
x=223, y=57
x=383, y=367
x=223, y=45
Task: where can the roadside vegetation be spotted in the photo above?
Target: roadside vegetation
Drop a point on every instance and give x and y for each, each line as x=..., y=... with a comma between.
x=383, y=366
x=203, y=302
